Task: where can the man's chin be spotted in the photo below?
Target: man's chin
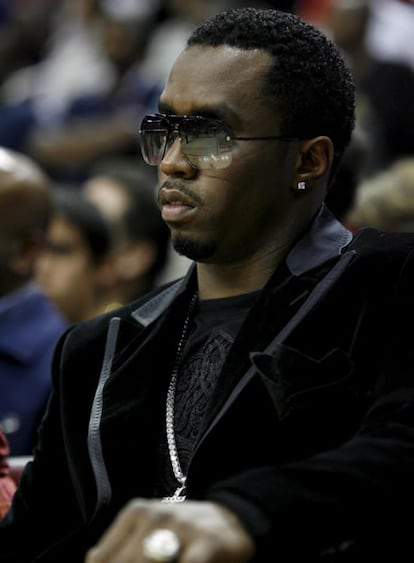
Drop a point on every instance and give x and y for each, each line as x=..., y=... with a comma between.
x=194, y=250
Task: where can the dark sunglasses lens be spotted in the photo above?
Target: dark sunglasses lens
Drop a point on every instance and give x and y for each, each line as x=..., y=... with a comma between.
x=153, y=138
x=206, y=143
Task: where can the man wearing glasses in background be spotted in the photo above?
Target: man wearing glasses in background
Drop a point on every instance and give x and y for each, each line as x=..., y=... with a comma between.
x=262, y=408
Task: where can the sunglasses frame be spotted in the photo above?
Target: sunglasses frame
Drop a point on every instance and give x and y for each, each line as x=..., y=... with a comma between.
x=174, y=125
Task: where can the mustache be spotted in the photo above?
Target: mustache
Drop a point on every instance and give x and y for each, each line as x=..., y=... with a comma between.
x=181, y=187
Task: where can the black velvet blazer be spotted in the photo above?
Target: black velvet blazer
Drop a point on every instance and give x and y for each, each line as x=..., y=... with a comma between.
x=309, y=436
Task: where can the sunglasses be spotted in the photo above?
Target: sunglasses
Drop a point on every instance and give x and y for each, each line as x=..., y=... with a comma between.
x=206, y=143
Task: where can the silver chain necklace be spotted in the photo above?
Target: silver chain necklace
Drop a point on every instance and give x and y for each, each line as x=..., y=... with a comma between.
x=179, y=494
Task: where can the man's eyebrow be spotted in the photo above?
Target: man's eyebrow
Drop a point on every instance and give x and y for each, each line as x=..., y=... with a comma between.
x=221, y=112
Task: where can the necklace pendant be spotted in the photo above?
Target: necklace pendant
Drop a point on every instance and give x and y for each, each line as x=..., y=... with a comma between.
x=178, y=496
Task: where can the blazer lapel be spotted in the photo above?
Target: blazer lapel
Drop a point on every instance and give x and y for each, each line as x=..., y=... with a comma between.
x=316, y=295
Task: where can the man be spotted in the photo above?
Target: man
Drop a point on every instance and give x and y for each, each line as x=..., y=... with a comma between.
x=272, y=387
x=29, y=324
x=76, y=268
x=126, y=197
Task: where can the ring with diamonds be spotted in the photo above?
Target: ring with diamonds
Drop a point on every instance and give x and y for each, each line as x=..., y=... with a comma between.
x=161, y=545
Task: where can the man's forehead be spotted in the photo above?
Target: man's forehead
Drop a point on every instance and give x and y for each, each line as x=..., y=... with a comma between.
x=198, y=57
x=213, y=76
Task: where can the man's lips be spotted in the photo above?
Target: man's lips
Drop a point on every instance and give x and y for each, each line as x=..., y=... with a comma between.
x=175, y=204
x=175, y=197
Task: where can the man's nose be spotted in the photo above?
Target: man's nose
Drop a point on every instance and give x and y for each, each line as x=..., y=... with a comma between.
x=174, y=161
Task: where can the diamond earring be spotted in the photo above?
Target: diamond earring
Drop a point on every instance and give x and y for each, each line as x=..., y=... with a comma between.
x=301, y=186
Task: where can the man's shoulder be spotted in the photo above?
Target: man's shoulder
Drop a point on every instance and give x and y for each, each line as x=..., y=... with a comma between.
x=381, y=258
x=370, y=241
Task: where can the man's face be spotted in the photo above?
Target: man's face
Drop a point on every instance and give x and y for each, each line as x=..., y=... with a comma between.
x=234, y=213
x=66, y=272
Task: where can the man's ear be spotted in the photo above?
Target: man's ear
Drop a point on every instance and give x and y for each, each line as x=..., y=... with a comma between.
x=314, y=160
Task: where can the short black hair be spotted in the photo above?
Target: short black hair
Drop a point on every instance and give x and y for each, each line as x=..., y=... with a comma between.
x=309, y=82
x=142, y=219
x=87, y=218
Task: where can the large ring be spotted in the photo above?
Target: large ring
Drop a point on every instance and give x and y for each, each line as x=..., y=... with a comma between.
x=161, y=545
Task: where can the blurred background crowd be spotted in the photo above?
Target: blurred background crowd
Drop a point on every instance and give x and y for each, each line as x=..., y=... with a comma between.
x=80, y=231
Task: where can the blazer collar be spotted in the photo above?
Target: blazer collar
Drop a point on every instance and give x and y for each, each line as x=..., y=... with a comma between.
x=325, y=239
x=152, y=309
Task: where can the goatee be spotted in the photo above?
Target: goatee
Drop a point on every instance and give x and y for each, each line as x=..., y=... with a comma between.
x=197, y=251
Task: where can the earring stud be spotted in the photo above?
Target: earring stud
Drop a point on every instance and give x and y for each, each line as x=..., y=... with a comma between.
x=301, y=186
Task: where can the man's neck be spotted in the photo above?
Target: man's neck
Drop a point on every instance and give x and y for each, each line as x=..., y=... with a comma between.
x=226, y=280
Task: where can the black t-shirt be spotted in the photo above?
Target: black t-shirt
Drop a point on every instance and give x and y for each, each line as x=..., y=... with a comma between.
x=212, y=331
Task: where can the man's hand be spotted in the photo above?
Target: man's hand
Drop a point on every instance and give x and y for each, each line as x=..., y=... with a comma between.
x=207, y=533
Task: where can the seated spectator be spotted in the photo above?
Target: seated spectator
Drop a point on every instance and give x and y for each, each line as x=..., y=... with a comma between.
x=100, y=125
x=96, y=112
x=391, y=34
x=72, y=63
x=127, y=198
x=25, y=28
x=29, y=324
x=76, y=268
x=384, y=86
x=7, y=484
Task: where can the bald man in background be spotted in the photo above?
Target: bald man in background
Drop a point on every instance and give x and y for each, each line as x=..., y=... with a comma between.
x=29, y=323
